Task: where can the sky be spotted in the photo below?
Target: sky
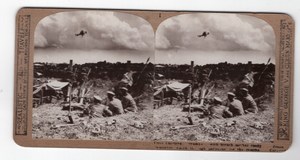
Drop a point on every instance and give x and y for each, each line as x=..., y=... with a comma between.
x=118, y=37
x=108, y=35
x=232, y=37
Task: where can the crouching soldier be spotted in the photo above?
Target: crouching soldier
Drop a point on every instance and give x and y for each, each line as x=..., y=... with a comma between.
x=92, y=107
x=248, y=102
x=235, y=106
x=217, y=110
x=128, y=102
x=114, y=105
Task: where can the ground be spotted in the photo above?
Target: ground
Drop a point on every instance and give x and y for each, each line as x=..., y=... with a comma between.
x=51, y=122
x=212, y=130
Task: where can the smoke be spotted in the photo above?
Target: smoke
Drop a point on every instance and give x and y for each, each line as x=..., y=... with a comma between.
x=105, y=30
x=227, y=32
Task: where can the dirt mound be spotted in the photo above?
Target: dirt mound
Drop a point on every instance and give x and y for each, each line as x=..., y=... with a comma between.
x=50, y=122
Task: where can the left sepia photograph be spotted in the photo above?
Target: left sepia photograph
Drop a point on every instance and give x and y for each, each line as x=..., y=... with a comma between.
x=90, y=66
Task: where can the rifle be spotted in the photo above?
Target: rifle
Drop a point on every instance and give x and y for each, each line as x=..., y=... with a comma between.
x=146, y=64
x=264, y=69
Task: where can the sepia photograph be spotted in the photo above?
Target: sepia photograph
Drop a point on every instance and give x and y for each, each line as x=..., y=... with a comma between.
x=215, y=76
x=93, y=76
x=154, y=80
x=106, y=75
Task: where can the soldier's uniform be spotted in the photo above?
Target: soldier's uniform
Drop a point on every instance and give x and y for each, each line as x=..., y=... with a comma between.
x=116, y=106
x=128, y=103
x=218, y=111
x=249, y=104
x=235, y=107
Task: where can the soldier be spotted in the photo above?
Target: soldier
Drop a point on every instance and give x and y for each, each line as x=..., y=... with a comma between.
x=128, y=102
x=217, y=110
x=92, y=106
x=235, y=106
x=97, y=99
x=114, y=105
x=248, y=102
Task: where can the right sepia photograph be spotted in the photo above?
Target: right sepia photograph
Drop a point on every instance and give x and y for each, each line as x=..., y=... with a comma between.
x=214, y=79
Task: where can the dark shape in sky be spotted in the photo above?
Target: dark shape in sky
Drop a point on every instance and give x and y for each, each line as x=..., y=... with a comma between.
x=81, y=33
x=204, y=34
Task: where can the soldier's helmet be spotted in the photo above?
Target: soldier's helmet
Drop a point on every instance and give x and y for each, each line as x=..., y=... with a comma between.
x=217, y=100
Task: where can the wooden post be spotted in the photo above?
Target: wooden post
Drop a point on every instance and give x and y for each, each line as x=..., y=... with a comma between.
x=189, y=117
x=68, y=94
x=162, y=97
x=193, y=78
x=190, y=94
x=128, y=64
x=70, y=85
x=70, y=101
x=192, y=67
x=190, y=101
x=70, y=97
x=42, y=95
x=71, y=65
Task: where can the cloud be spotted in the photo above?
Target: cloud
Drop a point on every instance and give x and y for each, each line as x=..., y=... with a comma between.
x=106, y=30
x=39, y=40
x=228, y=32
x=162, y=42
